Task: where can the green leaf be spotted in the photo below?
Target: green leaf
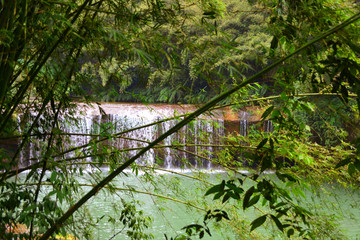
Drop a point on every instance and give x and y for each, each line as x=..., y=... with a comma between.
x=209, y=13
x=218, y=195
x=284, y=193
x=357, y=164
x=226, y=197
x=253, y=201
x=53, y=176
x=307, y=108
x=196, y=226
x=267, y=112
x=235, y=188
x=283, y=96
x=356, y=142
x=29, y=208
x=266, y=163
x=225, y=215
x=271, y=144
x=282, y=212
x=262, y=143
x=247, y=197
x=208, y=231
x=257, y=222
x=60, y=196
x=52, y=193
x=290, y=232
x=343, y=162
x=274, y=43
x=353, y=46
x=277, y=222
x=298, y=192
x=284, y=176
x=344, y=93
x=351, y=169
x=234, y=195
x=275, y=114
x=255, y=177
x=216, y=188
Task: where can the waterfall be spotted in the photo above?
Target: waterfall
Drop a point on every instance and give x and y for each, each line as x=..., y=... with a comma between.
x=193, y=140
x=268, y=126
x=82, y=128
x=244, y=126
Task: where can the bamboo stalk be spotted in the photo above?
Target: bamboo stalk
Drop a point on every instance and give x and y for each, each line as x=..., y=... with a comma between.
x=37, y=67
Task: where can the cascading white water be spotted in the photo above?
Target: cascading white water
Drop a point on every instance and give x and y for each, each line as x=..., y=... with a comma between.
x=116, y=118
x=268, y=126
x=121, y=117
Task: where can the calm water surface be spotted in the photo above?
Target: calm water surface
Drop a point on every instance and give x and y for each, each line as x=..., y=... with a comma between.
x=169, y=216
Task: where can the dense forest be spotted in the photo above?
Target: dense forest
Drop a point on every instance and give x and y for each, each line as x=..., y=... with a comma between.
x=193, y=64
x=296, y=61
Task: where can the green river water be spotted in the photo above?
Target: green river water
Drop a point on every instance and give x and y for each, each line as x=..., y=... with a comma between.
x=339, y=205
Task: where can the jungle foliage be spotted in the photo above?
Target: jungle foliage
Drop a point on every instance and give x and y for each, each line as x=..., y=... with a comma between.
x=191, y=59
x=297, y=59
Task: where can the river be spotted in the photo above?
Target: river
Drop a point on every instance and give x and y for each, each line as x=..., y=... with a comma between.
x=174, y=199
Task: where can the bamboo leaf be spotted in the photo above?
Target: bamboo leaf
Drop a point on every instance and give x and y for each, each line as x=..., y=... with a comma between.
x=247, y=197
x=267, y=112
x=290, y=232
x=351, y=169
x=216, y=188
x=218, y=195
x=271, y=144
x=258, y=222
x=343, y=163
x=274, y=43
x=275, y=114
x=277, y=222
x=53, y=176
x=344, y=93
x=357, y=164
x=235, y=188
x=262, y=143
x=226, y=197
x=253, y=201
